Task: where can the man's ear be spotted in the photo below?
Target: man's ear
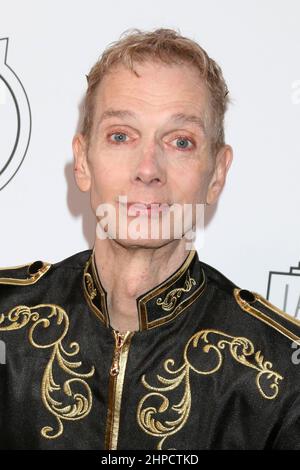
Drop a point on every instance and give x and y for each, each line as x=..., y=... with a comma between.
x=81, y=168
x=223, y=161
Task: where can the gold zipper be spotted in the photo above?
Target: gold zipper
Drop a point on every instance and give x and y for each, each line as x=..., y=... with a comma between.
x=116, y=381
x=120, y=339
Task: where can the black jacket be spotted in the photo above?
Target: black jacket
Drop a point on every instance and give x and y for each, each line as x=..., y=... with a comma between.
x=211, y=366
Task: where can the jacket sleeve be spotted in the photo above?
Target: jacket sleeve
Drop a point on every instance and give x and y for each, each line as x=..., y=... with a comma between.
x=288, y=432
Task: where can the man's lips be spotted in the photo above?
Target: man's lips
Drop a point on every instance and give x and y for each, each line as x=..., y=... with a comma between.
x=149, y=207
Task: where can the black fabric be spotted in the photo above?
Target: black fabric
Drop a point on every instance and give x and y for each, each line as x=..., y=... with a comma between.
x=218, y=378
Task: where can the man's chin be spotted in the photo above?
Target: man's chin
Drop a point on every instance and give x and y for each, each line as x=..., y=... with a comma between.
x=142, y=243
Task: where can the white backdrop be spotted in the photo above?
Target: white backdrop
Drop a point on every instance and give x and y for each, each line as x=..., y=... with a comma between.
x=52, y=45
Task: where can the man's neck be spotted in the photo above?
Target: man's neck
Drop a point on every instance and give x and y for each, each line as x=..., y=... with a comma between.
x=128, y=272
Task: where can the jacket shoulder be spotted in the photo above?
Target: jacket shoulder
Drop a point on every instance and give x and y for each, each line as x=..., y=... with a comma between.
x=31, y=273
x=25, y=274
x=255, y=305
x=260, y=308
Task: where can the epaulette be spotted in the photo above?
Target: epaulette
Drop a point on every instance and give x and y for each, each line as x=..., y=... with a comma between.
x=25, y=274
x=259, y=307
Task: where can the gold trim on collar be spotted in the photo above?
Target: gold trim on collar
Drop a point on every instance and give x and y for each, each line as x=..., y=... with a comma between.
x=169, y=303
x=161, y=304
x=94, y=292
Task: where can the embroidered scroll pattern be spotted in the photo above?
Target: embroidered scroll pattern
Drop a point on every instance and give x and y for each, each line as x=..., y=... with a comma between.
x=206, y=341
x=75, y=404
x=90, y=286
x=172, y=297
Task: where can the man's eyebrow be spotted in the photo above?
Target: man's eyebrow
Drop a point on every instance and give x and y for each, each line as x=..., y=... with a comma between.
x=189, y=118
x=123, y=113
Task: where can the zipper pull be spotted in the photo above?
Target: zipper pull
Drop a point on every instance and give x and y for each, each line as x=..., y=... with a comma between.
x=120, y=339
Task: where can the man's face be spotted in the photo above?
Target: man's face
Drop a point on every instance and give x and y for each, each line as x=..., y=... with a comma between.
x=157, y=149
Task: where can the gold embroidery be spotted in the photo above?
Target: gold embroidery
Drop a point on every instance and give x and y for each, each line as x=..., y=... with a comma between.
x=20, y=316
x=241, y=349
x=93, y=288
x=90, y=286
x=179, y=309
x=172, y=297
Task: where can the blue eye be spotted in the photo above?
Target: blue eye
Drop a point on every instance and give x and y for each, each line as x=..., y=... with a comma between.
x=183, y=142
x=121, y=137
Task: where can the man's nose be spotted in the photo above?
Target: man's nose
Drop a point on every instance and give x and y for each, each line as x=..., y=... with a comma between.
x=150, y=167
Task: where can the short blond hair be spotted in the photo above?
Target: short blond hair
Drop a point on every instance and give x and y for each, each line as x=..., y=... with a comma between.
x=167, y=46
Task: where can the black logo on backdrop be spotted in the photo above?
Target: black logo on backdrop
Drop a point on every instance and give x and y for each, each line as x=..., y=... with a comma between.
x=15, y=119
x=284, y=290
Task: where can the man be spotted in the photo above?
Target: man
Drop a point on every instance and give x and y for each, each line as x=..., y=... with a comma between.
x=137, y=344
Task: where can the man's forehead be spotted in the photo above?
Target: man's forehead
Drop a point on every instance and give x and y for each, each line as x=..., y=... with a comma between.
x=154, y=83
x=116, y=98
